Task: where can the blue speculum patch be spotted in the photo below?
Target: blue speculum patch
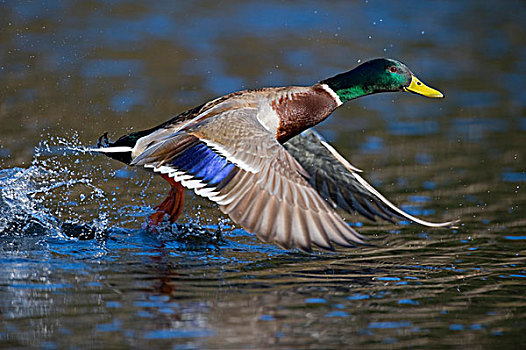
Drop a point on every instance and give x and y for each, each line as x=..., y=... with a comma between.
x=202, y=162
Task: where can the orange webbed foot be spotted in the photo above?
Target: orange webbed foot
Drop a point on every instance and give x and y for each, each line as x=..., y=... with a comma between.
x=171, y=206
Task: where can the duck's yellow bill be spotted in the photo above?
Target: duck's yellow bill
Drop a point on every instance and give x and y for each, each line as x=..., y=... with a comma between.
x=420, y=88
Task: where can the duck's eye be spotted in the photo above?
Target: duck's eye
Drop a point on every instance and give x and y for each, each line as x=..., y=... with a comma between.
x=393, y=69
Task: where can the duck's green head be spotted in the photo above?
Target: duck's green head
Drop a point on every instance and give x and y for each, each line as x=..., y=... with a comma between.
x=378, y=75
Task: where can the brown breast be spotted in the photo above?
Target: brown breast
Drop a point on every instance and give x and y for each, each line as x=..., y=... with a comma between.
x=303, y=111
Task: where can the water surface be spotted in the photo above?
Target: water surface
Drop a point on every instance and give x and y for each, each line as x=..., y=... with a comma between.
x=78, y=271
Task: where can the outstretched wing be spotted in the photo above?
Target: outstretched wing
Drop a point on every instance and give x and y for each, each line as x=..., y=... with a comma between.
x=234, y=161
x=337, y=181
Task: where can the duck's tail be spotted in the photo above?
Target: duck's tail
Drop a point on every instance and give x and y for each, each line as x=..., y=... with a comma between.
x=120, y=150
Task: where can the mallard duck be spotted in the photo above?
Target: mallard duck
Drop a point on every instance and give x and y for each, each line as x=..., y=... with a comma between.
x=253, y=153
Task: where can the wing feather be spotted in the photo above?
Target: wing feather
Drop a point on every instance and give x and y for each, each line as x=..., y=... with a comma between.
x=233, y=160
x=337, y=181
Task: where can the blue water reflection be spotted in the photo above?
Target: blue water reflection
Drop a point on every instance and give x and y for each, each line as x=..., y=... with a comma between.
x=112, y=68
x=124, y=101
x=170, y=333
x=475, y=129
x=511, y=176
x=372, y=145
x=408, y=128
x=337, y=313
x=388, y=325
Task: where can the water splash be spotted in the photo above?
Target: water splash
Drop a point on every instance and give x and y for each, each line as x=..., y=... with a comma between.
x=46, y=196
x=57, y=196
x=22, y=213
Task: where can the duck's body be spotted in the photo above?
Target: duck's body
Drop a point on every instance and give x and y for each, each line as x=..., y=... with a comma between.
x=230, y=150
x=283, y=111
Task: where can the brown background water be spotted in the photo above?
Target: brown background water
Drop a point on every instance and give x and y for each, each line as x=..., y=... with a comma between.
x=74, y=69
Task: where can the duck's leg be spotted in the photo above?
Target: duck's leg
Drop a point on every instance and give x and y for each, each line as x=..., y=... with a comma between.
x=172, y=205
